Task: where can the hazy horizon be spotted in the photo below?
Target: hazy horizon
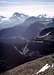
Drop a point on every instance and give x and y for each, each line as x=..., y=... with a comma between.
x=29, y=7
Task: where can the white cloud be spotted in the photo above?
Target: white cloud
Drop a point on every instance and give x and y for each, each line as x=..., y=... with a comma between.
x=32, y=10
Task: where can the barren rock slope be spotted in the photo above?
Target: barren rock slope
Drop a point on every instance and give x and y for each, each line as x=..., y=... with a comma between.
x=32, y=67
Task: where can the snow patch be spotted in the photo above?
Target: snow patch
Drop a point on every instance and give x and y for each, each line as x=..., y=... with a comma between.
x=47, y=66
x=44, y=68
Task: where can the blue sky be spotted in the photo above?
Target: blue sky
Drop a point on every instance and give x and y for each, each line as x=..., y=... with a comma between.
x=24, y=2
x=29, y=0
x=28, y=7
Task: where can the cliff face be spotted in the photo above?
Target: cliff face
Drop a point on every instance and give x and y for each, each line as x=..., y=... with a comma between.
x=33, y=67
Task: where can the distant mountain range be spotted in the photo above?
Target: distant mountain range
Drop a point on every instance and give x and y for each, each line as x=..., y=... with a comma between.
x=30, y=26
x=19, y=18
x=12, y=21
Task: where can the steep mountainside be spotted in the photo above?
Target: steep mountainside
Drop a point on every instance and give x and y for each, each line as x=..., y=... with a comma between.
x=23, y=50
x=47, y=30
x=34, y=67
x=27, y=29
x=33, y=29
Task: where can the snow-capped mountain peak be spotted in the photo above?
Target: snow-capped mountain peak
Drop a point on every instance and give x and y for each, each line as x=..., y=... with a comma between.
x=1, y=18
x=15, y=19
x=16, y=14
x=18, y=18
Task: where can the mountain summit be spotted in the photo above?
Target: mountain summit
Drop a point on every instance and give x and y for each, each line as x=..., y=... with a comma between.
x=15, y=19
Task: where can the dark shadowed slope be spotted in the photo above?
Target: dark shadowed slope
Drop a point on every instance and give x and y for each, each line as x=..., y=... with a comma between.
x=47, y=30
x=20, y=52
